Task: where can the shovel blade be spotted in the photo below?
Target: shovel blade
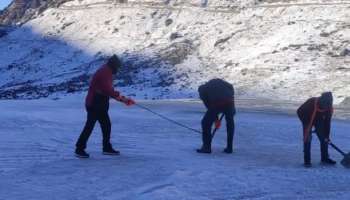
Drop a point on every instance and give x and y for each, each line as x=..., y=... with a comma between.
x=346, y=161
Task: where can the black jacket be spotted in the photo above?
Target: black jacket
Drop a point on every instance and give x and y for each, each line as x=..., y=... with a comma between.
x=216, y=92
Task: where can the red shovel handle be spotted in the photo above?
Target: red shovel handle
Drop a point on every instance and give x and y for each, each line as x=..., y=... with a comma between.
x=216, y=128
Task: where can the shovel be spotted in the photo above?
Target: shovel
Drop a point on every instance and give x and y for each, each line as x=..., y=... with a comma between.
x=346, y=160
x=217, y=128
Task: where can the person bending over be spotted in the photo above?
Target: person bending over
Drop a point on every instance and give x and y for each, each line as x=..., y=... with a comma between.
x=218, y=97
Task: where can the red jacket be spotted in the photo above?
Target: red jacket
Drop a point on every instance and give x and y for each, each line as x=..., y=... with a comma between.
x=310, y=112
x=102, y=84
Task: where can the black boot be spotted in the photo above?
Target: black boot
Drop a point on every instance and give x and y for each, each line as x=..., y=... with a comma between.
x=110, y=151
x=206, y=147
x=228, y=150
x=80, y=153
x=328, y=161
x=307, y=164
x=325, y=156
x=204, y=150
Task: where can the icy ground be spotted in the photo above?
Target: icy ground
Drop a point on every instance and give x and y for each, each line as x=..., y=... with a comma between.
x=158, y=160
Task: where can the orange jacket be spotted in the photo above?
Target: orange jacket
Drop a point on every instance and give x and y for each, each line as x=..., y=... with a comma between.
x=309, y=112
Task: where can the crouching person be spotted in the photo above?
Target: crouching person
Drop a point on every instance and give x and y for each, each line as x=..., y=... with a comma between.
x=97, y=105
x=317, y=112
x=218, y=97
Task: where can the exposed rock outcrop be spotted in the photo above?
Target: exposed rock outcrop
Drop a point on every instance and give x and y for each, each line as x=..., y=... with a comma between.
x=20, y=11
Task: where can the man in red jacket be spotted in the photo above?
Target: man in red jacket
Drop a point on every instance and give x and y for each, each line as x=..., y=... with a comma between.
x=97, y=105
x=317, y=112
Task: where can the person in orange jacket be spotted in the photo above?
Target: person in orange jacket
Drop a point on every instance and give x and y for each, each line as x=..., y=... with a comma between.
x=97, y=105
x=317, y=112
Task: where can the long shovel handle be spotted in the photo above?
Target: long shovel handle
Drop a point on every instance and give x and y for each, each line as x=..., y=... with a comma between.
x=336, y=148
x=214, y=131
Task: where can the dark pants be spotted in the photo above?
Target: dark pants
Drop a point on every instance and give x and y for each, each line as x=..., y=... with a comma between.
x=93, y=115
x=319, y=129
x=208, y=121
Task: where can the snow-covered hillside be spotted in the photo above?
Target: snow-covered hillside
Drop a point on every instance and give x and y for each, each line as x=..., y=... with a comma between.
x=268, y=49
x=158, y=159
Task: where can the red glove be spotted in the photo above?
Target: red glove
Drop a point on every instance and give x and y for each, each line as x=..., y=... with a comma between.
x=126, y=100
x=217, y=124
x=129, y=102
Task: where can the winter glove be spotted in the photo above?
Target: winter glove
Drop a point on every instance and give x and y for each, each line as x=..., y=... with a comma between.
x=129, y=102
x=217, y=124
x=126, y=101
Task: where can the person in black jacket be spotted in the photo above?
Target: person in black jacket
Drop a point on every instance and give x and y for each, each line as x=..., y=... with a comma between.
x=218, y=97
x=317, y=112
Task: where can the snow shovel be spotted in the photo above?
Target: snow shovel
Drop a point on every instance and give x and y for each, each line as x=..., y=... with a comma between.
x=217, y=128
x=346, y=160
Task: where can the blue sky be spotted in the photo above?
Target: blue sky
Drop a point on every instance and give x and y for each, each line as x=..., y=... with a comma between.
x=4, y=3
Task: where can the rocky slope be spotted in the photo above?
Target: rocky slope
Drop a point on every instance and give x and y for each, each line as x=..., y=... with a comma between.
x=20, y=11
x=269, y=49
